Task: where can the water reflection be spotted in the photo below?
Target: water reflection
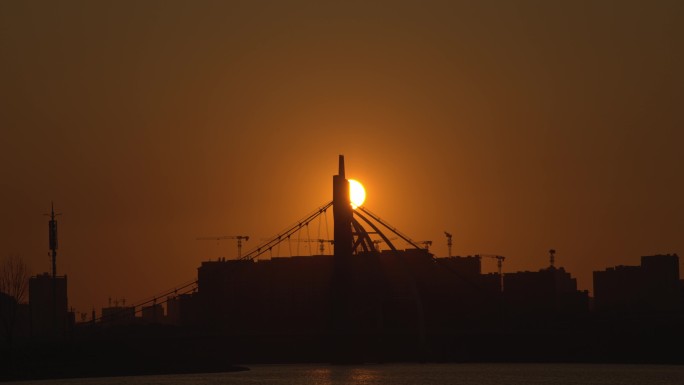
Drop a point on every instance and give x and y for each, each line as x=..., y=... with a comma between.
x=319, y=376
x=336, y=375
x=364, y=376
x=412, y=374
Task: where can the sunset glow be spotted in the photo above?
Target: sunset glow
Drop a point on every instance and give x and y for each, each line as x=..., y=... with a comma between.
x=357, y=194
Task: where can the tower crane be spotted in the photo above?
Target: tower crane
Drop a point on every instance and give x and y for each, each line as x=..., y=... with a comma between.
x=377, y=242
x=321, y=242
x=448, y=236
x=499, y=265
x=426, y=244
x=239, y=238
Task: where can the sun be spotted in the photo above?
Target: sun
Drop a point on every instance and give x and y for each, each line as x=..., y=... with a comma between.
x=357, y=194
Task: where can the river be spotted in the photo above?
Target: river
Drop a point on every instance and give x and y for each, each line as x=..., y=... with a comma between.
x=412, y=374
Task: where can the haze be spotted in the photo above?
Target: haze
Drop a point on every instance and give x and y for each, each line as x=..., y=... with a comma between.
x=516, y=126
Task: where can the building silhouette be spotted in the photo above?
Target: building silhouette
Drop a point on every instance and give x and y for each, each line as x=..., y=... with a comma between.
x=48, y=306
x=549, y=292
x=153, y=314
x=14, y=318
x=652, y=287
x=399, y=296
x=469, y=266
x=118, y=315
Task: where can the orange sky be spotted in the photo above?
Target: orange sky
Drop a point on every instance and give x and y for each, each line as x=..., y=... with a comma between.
x=517, y=126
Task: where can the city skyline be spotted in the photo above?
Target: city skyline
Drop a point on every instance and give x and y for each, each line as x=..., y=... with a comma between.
x=517, y=128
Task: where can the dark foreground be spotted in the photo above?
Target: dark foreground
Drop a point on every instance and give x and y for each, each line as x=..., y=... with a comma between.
x=123, y=352
x=158, y=349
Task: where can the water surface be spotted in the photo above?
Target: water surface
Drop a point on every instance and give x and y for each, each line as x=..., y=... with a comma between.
x=412, y=374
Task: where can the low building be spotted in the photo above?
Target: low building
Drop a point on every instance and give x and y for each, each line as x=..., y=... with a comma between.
x=14, y=318
x=118, y=315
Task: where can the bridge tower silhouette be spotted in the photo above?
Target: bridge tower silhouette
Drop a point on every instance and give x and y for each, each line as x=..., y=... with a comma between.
x=356, y=253
x=343, y=326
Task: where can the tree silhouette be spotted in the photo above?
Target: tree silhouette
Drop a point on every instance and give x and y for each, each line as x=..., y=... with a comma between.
x=13, y=285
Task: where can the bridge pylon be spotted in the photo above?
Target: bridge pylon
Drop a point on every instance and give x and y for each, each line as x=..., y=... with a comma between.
x=344, y=330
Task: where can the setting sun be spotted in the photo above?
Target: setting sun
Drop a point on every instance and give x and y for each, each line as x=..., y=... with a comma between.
x=357, y=194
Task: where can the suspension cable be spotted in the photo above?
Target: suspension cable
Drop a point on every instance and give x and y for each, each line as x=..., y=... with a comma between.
x=390, y=228
x=138, y=307
x=280, y=237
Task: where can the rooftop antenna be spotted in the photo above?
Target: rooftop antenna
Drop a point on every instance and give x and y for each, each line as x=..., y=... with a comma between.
x=552, y=256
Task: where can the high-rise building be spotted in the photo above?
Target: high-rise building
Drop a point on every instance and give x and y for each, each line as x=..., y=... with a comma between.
x=550, y=291
x=48, y=305
x=652, y=287
x=153, y=313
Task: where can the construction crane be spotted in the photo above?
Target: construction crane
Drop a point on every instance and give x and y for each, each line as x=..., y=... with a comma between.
x=499, y=265
x=321, y=242
x=426, y=244
x=377, y=242
x=239, y=238
x=448, y=236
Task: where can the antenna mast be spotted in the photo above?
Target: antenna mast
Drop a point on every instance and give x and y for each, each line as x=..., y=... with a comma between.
x=52, y=229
